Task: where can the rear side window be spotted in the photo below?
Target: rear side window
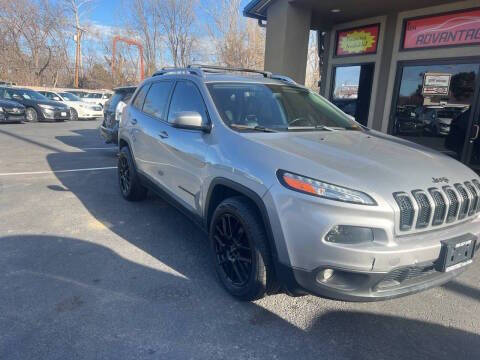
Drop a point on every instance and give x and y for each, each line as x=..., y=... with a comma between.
x=140, y=98
x=187, y=97
x=157, y=98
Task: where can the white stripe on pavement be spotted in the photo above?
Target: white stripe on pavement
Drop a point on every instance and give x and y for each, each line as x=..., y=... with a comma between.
x=57, y=171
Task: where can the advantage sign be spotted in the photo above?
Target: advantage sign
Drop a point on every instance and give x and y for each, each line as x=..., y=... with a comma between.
x=436, y=84
x=461, y=28
x=358, y=41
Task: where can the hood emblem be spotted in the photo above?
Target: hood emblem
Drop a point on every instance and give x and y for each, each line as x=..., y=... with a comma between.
x=440, y=180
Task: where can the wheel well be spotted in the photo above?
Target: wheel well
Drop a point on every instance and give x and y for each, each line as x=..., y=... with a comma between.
x=221, y=192
x=122, y=143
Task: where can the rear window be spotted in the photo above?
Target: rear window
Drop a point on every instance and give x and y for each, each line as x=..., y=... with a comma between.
x=122, y=95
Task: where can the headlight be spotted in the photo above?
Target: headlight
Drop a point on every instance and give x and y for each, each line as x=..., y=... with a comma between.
x=47, y=107
x=345, y=234
x=322, y=189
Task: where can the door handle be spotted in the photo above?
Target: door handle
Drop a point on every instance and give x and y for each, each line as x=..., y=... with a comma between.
x=134, y=121
x=477, y=131
x=163, y=134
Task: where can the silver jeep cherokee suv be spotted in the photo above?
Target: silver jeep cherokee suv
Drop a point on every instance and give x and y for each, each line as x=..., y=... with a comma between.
x=294, y=194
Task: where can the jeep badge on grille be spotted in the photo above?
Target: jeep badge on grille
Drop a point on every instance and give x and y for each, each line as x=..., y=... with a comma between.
x=440, y=180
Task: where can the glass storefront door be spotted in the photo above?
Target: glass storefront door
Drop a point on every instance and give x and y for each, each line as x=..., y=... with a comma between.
x=352, y=90
x=435, y=107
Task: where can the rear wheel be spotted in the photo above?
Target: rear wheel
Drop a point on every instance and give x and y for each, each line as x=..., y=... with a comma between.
x=128, y=179
x=240, y=249
x=31, y=114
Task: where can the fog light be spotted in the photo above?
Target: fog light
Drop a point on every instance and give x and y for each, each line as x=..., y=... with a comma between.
x=345, y=234
x=325, y=275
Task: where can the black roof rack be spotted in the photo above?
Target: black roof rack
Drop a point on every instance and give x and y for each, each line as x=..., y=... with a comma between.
x=174, y=70
x=201, y=70
x=213, y=69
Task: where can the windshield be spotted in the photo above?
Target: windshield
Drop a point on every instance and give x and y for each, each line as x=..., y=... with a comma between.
x=93, y=96
x=278, y=107
x=70, y=97
x=26, y=94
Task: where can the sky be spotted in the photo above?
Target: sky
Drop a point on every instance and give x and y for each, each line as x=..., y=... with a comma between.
x=108, y=12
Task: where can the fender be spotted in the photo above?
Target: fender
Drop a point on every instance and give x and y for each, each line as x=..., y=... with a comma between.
x=253, y=196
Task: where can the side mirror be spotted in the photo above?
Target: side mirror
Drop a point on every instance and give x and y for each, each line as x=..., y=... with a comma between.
x=191, y=120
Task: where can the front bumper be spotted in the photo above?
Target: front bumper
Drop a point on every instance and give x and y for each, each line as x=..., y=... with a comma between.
x=366, y=286
x=381, y=269
x=56, y=115
x=89, y=114
x=7, y=117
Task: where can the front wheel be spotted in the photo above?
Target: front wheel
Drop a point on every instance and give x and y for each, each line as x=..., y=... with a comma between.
x=239, y=248
x=128, y=180
x=31, y=114
x=73, y=115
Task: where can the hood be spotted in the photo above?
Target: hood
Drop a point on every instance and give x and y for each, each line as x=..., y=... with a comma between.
x=10, y=104
x=51, y=103
x=367, y=160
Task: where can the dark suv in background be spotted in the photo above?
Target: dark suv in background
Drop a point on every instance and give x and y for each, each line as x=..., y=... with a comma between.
x=113, y=112
x=38, y=107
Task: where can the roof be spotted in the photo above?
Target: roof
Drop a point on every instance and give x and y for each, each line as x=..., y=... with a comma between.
x=257, y=9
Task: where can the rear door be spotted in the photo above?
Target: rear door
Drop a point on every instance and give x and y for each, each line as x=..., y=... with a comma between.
x=151, y=128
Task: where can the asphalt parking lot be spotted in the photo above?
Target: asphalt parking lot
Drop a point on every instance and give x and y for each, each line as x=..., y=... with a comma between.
x=86, y=275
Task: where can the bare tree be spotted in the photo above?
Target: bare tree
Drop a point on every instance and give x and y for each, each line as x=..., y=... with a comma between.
x=238, y=42
x=144, y=23
x=32, y=38
x=177, y=20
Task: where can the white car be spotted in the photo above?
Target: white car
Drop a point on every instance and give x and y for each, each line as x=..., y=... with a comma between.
x=99, y=98
x=79, y=109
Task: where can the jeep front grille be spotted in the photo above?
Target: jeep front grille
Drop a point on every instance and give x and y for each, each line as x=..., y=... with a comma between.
x=423, y=209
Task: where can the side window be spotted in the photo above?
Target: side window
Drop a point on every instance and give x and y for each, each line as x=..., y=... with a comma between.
x=157, y=98
x=140, y=98
x=49, y=95
x=187, y=97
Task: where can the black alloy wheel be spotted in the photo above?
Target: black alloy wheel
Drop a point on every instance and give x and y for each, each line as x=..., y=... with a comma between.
x=240, y=249
x=233, y=252
x=128, y=180
x=124, y=175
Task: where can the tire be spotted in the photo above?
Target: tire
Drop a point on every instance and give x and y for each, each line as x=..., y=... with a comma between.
x=73, y=115
x=31, y=115
x=242, y=261
x=128, y=180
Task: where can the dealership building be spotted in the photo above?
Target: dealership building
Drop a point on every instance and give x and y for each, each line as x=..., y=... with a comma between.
x=410, y=68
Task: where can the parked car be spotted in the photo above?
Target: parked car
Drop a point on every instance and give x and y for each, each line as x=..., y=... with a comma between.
x=38, y=107
x=11, y=111
x=440, y=125
x=293, y=193
x=80, y=93
x=78, y=108
x=113, y=113
x=407, y=122
x=99, y=98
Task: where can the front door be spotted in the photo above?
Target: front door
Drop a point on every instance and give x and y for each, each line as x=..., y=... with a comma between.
x=437, y=106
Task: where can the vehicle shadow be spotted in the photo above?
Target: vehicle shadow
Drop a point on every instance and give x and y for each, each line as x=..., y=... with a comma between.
x=174, y=307
x=70, y=298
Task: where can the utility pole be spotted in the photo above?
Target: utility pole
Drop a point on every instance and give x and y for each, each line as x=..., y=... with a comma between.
x=78, y=55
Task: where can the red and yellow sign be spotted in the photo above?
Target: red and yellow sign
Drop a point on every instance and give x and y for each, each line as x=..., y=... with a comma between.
x=461, y=28
x=358, y=41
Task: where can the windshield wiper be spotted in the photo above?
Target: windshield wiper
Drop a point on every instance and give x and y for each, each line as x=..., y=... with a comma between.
x=254, y=128
x=316, y=127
